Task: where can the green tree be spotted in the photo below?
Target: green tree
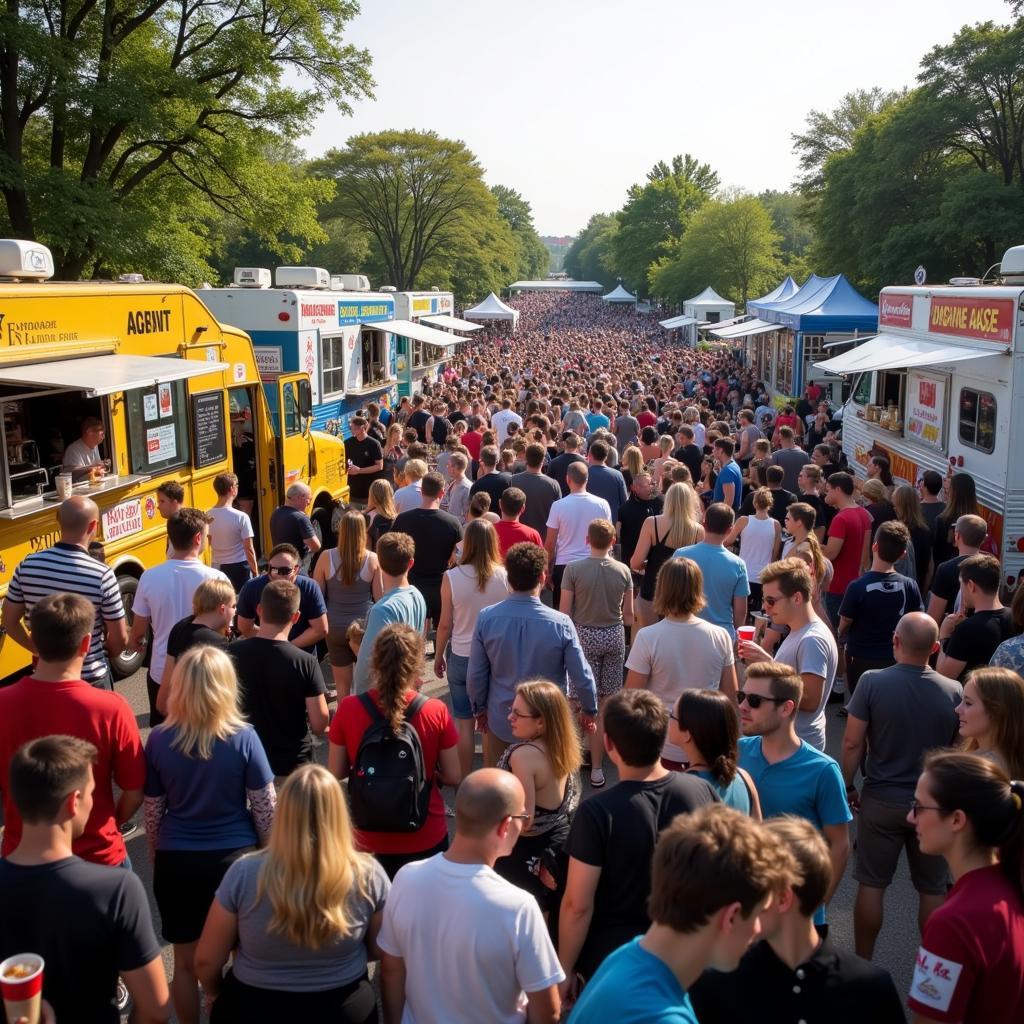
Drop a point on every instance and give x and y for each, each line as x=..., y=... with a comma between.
x=534, y=257
x=116, y=120
x=415, y=195
x=656, y=214
x=730, y=244
x=590, y=258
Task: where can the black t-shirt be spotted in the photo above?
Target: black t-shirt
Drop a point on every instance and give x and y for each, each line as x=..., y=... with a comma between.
x=559, y=466
x=363, y=453
x=187, y=634
x=632, y=516
x=290, y=526
x=975, y=640
x=818, y=504
x=616, y=831
x=88, y=922
x=274, y=680
x=946, y=581
x=418, y=421
x=494, y=484
x=692, y=457
x=435, y=534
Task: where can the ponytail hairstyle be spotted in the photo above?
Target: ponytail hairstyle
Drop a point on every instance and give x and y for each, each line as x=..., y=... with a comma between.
x=992, y=804
x=397, y=666
x=713, y=723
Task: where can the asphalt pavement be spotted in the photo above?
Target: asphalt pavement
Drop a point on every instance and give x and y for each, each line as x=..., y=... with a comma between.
x=897, y=943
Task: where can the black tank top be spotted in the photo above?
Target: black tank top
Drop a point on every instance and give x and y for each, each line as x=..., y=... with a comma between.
x=418, y=421
x=658, y=555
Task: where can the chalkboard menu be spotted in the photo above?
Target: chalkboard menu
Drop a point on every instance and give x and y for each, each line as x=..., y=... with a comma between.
x=209, y=437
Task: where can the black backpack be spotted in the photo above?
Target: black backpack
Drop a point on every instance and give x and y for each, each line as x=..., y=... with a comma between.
x=388, y=786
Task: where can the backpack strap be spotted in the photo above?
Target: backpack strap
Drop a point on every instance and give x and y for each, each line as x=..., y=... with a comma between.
x=371, y=708
x=415, y=706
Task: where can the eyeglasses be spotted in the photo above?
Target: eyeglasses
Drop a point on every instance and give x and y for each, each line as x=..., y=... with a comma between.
x=281, y=570
x=755, y=700
x=520, y=714
x=771, y=602
x=916, y=808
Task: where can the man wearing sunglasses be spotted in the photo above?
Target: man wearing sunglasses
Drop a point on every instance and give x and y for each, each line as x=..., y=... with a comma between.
x=791, y=776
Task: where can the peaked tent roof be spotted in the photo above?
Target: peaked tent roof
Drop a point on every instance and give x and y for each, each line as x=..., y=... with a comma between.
x=811, y=286
x=492, y=308
x=708, y=297
x=780, y=293
x=619, y=294
x=834, y=305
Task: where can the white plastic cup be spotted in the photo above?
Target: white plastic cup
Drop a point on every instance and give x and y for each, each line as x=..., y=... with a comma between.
x=65, y=482
x=23, y=996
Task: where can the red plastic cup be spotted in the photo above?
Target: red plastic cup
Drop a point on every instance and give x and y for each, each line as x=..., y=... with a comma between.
x=746, y=633
x=23, y=995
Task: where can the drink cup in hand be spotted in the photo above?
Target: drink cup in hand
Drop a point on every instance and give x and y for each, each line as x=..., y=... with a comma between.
x=745, y=634
x=21, y=983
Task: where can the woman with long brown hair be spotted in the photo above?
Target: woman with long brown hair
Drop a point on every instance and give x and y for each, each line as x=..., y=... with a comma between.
x=397, y=675
x=907, y=505
x=477, y=582
x=676, y=527
x=546, y=759
x=992, y=717
x=351, y=580
x=299, y=920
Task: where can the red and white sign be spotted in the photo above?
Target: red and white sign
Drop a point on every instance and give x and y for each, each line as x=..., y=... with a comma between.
x=895, y=309
x=926, y=408
x=966, y=316
x=122, y=520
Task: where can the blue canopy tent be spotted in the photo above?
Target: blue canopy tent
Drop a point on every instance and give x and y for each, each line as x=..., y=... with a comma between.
x=779, y=293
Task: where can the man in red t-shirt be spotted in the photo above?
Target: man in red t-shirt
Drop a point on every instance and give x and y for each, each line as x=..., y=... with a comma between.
x=509, y=530
x=55, y=700
x=848, y=537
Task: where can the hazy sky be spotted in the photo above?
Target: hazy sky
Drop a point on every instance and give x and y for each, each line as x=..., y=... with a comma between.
x=571, y=101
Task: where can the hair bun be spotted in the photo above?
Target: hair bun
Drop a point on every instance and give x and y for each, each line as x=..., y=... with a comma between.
x=1017, y=792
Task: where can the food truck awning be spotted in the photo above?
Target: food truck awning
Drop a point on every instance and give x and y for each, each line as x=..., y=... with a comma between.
x=452, y=323
x=891, y=352
x=418, y=332
x=104, y=375
x=754, y=326
x=677, y=321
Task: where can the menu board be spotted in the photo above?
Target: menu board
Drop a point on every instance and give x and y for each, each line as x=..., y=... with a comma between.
x=209, y=434
x=926, y=408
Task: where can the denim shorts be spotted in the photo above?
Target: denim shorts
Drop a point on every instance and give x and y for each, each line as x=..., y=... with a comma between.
x=458, y=669
x=832, y=605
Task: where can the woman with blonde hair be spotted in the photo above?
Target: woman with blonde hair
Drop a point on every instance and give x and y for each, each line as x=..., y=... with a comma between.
x=394, y=451
x=676, y=527
x=477, y=582
x=665, y=448
x=760, y=537
x=381, y=511
x=992, y=717
x=351, y=580
x=394, y=699
x=300, y=917
x=546, y=758
x=632, y=464
x=209, y=798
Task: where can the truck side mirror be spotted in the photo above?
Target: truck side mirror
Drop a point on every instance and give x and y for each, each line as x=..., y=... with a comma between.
x=305, y=399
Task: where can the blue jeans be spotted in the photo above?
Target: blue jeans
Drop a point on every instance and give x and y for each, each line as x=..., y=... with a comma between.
x=458, y=669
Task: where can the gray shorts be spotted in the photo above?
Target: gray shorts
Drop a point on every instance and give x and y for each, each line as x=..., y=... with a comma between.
x=882, y=832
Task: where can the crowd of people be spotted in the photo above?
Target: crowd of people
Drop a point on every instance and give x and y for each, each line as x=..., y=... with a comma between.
x=618, y=554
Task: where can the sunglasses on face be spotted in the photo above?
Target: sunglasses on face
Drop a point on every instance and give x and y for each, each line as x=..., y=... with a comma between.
x=755, y=700
x=771, y=602
x=281, y=570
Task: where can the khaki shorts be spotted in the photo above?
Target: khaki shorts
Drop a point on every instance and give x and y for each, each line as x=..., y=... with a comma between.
x=882, y=832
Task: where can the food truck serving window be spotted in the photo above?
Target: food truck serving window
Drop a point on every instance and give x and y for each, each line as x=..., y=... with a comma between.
x=157, y=427
x=978, y=419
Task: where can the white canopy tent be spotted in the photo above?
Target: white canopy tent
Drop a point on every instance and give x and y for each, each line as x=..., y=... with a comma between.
x=451, y=323
x=618, y=295
x=743, y=330
x=492, y=308
x=556, y=286
x=676, y=321
x=891, y=352
x=709, y=306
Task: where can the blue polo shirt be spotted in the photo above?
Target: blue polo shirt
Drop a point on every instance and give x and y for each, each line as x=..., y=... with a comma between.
x=729, y=474
x=808, y=784
x=725, y=577
x=311, y=601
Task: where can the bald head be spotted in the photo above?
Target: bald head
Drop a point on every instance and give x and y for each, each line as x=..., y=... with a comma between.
x=485, y=799
x=918, y=634
x=75, y=516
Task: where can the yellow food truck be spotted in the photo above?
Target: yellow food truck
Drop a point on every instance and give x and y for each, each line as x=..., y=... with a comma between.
x=179, y=396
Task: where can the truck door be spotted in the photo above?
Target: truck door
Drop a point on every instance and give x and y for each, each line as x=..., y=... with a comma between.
x=291, y=423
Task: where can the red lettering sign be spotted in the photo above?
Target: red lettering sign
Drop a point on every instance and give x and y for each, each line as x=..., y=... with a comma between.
x=895, y=309
x=318, y=309
x=926, y=393
x=966, y=316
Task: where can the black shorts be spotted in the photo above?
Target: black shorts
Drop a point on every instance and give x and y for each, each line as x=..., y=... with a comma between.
x=184, y=884
x=239, y=1003
x=432, y=596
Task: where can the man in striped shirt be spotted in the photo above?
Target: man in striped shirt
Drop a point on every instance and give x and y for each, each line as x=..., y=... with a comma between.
x=68, y=567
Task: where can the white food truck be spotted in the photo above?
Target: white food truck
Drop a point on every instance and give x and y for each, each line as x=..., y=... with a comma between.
x=941, y=386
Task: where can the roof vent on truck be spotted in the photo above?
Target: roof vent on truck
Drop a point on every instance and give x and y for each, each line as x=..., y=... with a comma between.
x=25, y=260
x=1012, y=267
x=350, y=282
x=252, y=277
x=302, y=277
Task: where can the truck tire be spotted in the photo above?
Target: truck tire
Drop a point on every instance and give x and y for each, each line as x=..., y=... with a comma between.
x=321, y=519
x=127, y=664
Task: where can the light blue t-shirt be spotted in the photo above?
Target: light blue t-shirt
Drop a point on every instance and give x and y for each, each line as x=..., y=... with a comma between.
x=729, y=474
x=734, y=795
x=725, y=577
x=597, y=421
x=633, y=987
x=403, y=604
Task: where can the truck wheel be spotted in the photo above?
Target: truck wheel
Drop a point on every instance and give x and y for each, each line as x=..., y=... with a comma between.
x=322, y=528
x=127, y=664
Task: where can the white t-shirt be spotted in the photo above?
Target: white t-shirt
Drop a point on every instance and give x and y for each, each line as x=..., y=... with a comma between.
x=409, y=497
x=79, y=454
x=473, y=944
x=165, y=597
x=230, y=527
x=812, y=649
x=679, y=656
x=571, y=516
x=500, y=421
x=468, y=601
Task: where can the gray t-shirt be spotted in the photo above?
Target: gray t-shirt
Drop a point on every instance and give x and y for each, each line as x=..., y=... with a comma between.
x=267, y=959
x=792, y=460
x=541, y=493
x=909, y=711
x=812, y=650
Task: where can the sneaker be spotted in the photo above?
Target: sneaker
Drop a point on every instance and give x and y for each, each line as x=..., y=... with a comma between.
x=597, y=779
x=129, y=828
